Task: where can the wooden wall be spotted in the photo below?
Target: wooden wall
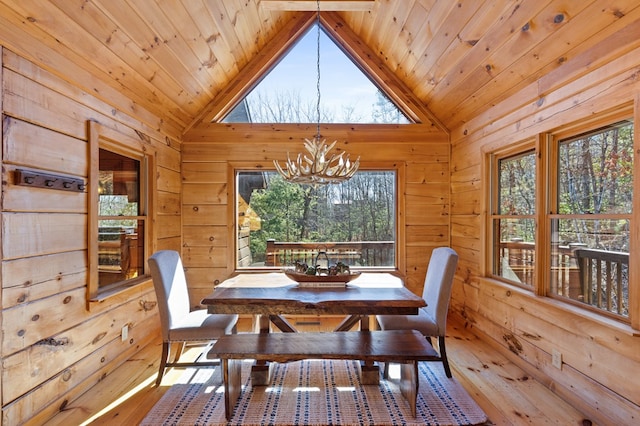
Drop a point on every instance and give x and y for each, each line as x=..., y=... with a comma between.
x=601, y=359
x=53, y=347
x=421, y=152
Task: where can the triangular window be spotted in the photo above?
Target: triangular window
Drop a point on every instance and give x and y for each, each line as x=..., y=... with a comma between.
x=289, y=94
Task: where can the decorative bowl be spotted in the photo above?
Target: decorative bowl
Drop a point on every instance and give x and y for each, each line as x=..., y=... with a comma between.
x=305, y=278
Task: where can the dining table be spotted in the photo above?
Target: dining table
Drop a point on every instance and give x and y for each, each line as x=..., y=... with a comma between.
x=270, y=296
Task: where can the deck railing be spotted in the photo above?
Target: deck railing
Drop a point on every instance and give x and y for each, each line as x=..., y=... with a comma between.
x=357, y=253
x=598, y=278
x=604, y=278
x=595, y=277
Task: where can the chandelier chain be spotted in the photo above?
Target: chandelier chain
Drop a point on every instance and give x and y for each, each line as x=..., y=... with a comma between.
x=318, y=69
x=319, y=167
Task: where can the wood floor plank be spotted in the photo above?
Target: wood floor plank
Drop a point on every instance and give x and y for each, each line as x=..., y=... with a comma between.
x=508, y=394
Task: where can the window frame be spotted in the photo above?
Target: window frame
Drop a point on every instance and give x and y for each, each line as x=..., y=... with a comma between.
x=101, y=137
x=400, y=261
x=546, y=192
x=494, y=158
x=553, y=140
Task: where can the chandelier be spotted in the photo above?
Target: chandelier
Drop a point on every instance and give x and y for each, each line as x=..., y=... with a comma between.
x=317, y=166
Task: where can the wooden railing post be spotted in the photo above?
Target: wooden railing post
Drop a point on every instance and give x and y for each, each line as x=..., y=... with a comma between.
x=270, y=259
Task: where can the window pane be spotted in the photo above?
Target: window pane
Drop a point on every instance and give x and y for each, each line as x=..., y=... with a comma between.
x=120, y=250
x=517, y=185
x=595, y=172
x=514, y=228
x=590, y=249
x=119, y=185
x=280, y=222
x=120, y=226
x=288, y=93
x=590, y=262
x=516, y=256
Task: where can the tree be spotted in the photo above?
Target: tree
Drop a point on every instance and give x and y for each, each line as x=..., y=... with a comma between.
x=385, y=111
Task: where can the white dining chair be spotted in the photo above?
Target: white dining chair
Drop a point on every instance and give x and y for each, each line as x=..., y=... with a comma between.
x=432, y=319
x=178, y=323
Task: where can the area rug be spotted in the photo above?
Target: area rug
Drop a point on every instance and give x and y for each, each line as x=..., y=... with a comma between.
x=316, y=392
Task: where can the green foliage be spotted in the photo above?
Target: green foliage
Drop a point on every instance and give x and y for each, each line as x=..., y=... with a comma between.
x=361, y=209
x=595, y=177
x=518, y=184
x=596, y=172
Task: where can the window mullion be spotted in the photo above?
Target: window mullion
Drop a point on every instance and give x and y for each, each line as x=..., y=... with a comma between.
x=545, y=190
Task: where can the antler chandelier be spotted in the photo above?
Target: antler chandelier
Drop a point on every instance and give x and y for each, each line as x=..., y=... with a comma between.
x=319, y=167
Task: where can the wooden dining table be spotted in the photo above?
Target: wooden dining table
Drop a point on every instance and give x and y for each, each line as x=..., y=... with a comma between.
x=269, y=296
x=272, y=295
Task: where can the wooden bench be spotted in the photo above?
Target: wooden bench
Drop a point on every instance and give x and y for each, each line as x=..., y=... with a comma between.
x=403, y=346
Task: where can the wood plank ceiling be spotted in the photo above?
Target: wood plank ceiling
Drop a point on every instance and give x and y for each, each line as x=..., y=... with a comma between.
x=185, y=59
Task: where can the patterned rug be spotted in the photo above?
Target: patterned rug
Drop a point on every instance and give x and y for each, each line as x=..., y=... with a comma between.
x=316, y=392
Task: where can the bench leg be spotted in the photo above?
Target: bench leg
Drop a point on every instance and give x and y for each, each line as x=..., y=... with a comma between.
x=231, y=370
x=261, y=370
x=369, y=372
x=409, y=383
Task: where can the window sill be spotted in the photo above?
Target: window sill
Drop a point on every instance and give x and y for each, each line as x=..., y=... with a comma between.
x=123, y=289
x=589, y=315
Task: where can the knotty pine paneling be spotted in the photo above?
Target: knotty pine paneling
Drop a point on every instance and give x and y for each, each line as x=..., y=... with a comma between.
x=202, y=214
x=53, y=346
x=80, y=377
x=421, y=151
x=168, y=203
x=205, y=236
x=39, y=147
x=28, y=279
x=204, y=172
x=39, y=363
x=32, y=234
x=524, y=326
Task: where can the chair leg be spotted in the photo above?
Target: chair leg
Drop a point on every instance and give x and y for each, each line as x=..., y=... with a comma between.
x=179, y=352
x=443, y=355
x=385, y=374
x=163, y=362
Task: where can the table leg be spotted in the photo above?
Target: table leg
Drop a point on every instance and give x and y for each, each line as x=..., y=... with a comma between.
x=348, y=323
x=261, y=370
x=282, y=324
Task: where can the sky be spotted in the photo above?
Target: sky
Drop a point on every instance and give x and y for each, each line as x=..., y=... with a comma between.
x=341, y=82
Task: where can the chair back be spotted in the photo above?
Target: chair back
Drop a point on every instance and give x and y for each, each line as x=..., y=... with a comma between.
x=438, y=284
x=170, y=285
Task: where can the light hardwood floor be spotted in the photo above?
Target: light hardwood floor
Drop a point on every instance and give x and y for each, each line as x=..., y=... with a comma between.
x=505, y=392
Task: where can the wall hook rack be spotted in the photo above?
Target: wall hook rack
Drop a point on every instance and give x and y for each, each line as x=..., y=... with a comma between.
x=37, y=179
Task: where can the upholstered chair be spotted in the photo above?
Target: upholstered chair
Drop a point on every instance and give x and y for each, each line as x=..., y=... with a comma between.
x=431, y=320
x=178, y=323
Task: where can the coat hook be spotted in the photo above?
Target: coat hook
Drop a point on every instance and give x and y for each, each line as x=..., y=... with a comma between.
x=38, y=179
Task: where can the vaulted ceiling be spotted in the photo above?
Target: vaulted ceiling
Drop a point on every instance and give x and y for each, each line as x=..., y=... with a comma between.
x=190, y=61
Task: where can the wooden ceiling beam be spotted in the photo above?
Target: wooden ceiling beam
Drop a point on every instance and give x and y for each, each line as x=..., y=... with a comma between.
x=312, y=5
